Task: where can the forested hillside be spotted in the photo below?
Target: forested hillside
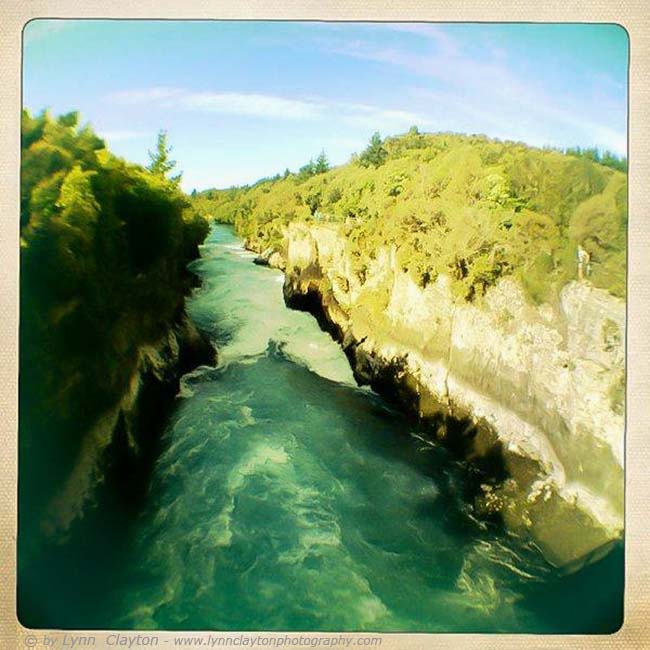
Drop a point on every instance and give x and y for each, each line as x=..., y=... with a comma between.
x=104, y=250
x=470, y=207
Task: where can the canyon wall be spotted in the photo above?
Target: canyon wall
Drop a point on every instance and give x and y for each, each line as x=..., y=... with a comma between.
x=540, y=387
x=119, y=450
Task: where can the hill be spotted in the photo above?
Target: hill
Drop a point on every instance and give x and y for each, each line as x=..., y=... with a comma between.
x=471, y=207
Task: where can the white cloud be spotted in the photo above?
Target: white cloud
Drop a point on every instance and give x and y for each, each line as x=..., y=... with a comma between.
x=485, y=89
x=271, y=107
x=430, y=31
x=376, y=117
x=251, y=104
x=229, y=103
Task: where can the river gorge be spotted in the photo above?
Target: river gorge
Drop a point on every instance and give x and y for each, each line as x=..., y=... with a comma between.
x=287, y=497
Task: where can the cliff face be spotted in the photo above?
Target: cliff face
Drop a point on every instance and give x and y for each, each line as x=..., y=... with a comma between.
x=539, y=386
x=119, y=449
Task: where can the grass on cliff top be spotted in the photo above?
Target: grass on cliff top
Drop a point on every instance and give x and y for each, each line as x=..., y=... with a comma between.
x=469, y=207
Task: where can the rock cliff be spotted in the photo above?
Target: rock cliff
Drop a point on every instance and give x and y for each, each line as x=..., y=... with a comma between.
x=119, y=449
x=541, y=387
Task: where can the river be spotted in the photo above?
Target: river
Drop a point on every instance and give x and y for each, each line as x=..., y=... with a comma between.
x=286, y=497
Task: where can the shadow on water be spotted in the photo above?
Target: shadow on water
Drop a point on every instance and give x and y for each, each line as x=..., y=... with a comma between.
x=71, y=579
x=589, y=601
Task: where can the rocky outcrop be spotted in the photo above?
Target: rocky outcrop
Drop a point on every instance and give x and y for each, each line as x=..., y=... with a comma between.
x=119, y=450
x=541, y=387
x=268, y=256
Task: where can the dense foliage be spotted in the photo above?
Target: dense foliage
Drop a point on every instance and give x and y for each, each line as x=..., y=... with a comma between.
x=470, y=207
x=104, y=250
x=606, y=158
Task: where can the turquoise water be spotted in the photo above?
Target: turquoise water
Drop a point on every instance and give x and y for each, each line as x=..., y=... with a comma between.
x=287, y=498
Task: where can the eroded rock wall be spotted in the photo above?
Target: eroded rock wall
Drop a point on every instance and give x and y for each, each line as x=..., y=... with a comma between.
x=540, y=385
x=120, y=448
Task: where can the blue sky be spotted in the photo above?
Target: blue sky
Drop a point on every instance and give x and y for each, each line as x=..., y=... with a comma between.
x=243, y=100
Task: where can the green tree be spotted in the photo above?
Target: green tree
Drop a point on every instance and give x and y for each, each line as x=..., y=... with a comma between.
x=161, y=163
x=374, y=155
x=607, y=158
x=306, y=171
x=322, y=164
x=70, y=119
